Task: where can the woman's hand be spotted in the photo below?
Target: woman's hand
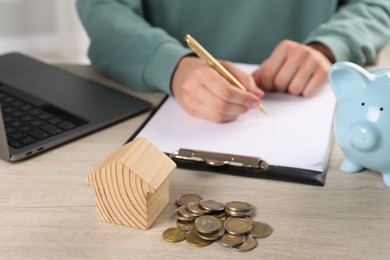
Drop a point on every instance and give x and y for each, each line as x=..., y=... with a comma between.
x=204, y=93
x=295, y=68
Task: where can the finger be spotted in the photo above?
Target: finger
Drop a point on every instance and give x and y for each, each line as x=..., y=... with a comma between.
x=265, y=75
x=271, y=66
x=301, y=78
x=207, y=92
x=194, y=107
x=208, y=98
x=243, y=77
x=200, y=110
x=208, y=114
x=285, y=75
x=319, y=78
x=225, y=91
x=315, y=83
x=257, y=77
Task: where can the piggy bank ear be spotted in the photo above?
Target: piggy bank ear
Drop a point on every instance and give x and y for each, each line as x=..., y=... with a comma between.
x=347, y=77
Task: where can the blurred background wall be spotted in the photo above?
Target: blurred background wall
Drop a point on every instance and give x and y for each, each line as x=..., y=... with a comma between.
x=47, y=29
x=51, y=30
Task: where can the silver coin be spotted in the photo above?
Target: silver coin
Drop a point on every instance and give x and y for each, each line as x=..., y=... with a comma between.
x=180, y=217
x=183, y=211
x=214, y=236
x=194, y=240
x=239, y=213
x=237, y=226
x=218, y=214
x=260, y=230
x=229, y=240
x=187, y=198
x=212, y=205
x=238, y=206
x=195, y=208
x=249, y=244
x=185, y=225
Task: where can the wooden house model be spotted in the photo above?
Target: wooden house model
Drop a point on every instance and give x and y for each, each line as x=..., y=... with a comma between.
x=132, y=185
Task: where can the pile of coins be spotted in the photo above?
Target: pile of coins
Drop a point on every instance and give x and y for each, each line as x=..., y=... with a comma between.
x=202, y=221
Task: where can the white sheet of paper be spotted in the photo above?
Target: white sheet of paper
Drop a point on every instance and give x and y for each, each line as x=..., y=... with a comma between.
x=295, y=133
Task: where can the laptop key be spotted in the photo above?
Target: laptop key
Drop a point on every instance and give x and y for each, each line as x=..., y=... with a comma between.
x=7, y=118
x=55, y=120
x=8, y=109
x=17, y=103
x=9, y=129
x=27, y=140
x=51, y=129
x=45, y=116
x=27, y=118
x=18, y=113
x=26, y=107
x=26, y=128
x=17, y=135
x=16, y=123
x=8, y=99
x=15, y=144
x=36, y=111
x=38, y=134
x=66, y=125
x=37, y=122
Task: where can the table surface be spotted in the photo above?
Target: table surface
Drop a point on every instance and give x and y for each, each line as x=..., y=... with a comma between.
x=47, y=209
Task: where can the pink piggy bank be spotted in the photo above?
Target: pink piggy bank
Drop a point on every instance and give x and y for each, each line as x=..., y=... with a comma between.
x=362, y=118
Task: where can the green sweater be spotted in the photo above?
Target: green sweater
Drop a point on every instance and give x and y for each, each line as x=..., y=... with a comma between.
x=139, y=43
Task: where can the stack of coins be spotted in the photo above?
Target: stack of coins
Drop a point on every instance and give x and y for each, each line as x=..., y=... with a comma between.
x=238, y=209
x=202, y=221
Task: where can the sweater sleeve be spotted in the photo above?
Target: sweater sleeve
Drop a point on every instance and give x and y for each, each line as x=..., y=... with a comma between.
x=126, y=47
x=357, y=31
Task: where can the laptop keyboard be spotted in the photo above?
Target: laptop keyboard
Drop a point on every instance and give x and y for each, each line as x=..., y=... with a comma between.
x=26, y=124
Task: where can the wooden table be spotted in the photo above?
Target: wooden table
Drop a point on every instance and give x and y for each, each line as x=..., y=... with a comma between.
x=47, y=209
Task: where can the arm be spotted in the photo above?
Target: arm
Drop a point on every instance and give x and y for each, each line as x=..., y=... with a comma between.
x=126, y=47
x=355, y=33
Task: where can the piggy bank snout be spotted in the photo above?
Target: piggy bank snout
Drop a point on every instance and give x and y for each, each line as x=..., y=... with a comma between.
x=364, y=136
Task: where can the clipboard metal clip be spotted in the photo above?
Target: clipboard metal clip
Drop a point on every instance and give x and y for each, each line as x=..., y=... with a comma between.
x=220, y=159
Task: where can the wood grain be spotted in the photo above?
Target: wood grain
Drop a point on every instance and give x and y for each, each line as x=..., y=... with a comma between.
x=131, y=185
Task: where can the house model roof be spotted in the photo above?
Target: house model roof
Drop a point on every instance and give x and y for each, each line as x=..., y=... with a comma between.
x=141, y=158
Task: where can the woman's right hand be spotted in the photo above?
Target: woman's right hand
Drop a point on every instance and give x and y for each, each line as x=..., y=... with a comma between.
x=205, y=94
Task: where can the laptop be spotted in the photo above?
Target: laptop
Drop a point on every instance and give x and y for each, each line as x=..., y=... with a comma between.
x=42, y=106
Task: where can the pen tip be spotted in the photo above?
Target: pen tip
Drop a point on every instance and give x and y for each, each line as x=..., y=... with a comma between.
x=262, y=109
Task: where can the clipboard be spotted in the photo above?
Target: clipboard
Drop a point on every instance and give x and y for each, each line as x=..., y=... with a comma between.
x=244, y=165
